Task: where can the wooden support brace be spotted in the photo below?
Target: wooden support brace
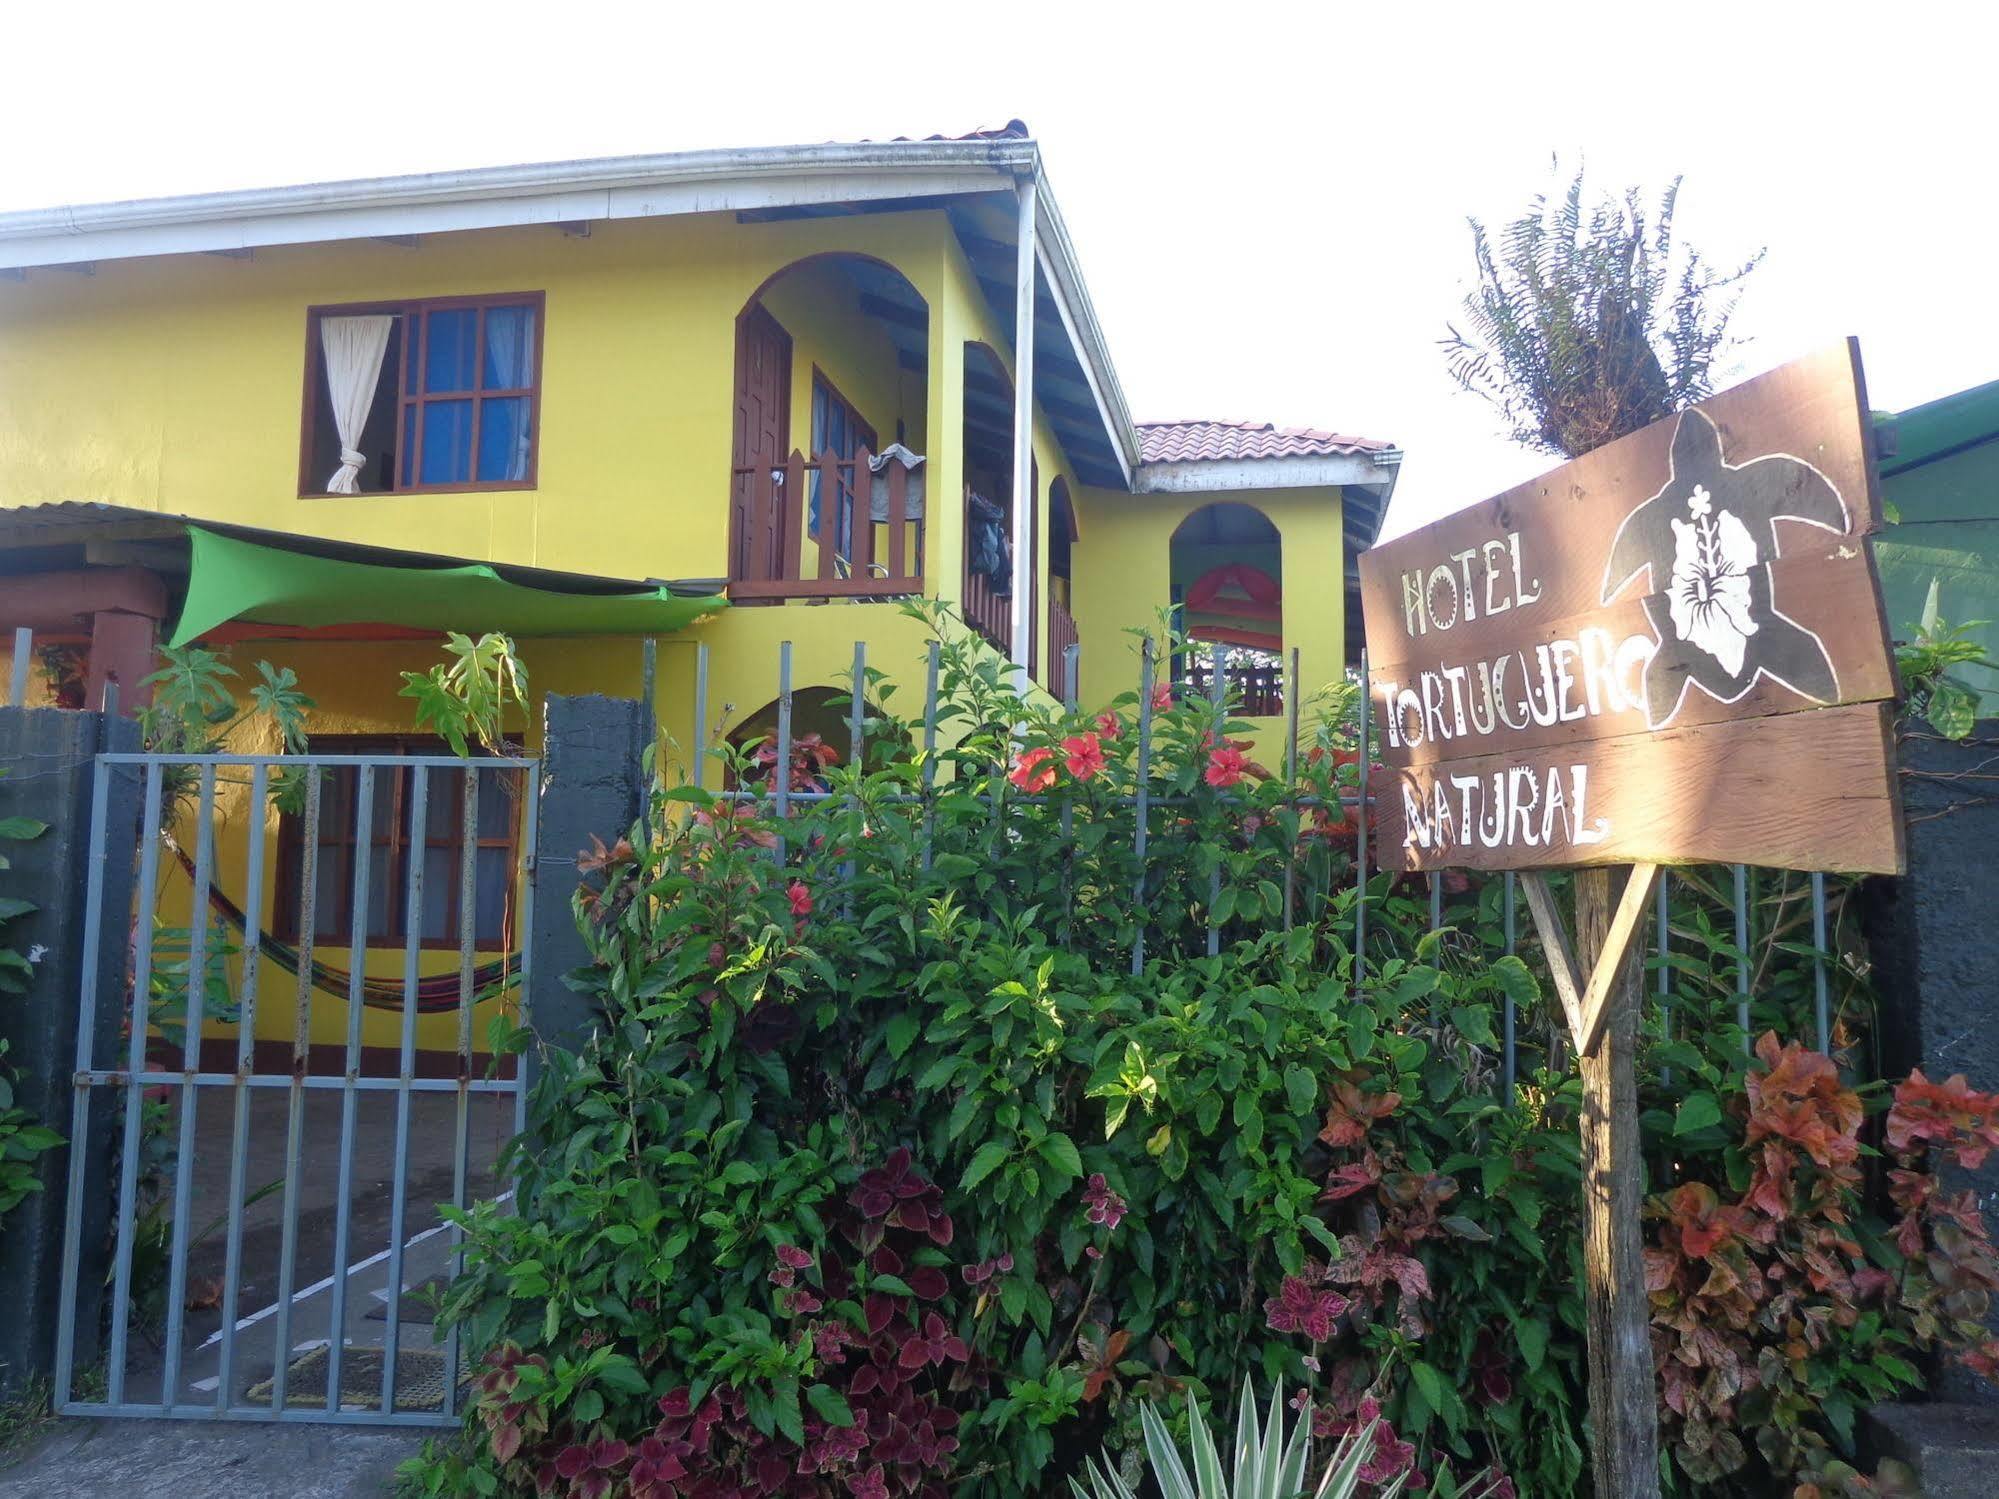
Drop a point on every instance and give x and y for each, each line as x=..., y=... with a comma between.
x=1555, y=941
x=1586, y=1004
x=1610, y=962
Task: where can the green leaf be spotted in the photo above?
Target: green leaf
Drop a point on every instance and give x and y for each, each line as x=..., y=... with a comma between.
x=830, y=1404
x=1696, y=1111
x=21, y=829
x=988, y=1160
x=1437, y=1391
x=1061, y=1153
x=902, y=1032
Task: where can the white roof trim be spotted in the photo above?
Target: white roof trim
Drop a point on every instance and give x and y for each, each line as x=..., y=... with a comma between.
x=490, y=197
x=1210, y=475
x=1057, y=258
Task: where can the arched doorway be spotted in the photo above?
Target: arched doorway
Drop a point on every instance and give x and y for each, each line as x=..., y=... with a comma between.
x=1227, y=569
x=992, y=572
x=830, y=424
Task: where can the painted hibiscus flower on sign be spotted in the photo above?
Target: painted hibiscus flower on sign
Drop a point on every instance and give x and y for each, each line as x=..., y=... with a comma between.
x=1709, y=593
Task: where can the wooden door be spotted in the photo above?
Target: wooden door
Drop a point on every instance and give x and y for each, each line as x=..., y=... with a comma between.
x=762, y=430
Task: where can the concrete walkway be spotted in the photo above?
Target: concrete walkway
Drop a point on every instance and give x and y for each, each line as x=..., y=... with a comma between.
x=84, y=1459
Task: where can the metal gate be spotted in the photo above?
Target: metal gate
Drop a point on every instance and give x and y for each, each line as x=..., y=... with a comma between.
x=289, y=1127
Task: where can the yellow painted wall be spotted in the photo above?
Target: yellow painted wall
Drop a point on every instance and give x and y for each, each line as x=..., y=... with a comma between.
x=1123, y=575
x=175, y=383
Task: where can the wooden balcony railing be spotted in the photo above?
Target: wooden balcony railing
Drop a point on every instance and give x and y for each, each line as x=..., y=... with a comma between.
x=1061, y=635
x=866, y=546
x=1260, y=683
x=987, y=610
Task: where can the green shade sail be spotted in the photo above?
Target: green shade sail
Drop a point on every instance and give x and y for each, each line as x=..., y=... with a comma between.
x=233, y=579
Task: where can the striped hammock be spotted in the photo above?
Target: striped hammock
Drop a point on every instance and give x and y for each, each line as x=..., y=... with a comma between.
x=436, y=993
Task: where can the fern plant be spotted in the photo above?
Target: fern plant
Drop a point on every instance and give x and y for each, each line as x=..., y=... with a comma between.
x=1587, y=322
x=1268, y=1464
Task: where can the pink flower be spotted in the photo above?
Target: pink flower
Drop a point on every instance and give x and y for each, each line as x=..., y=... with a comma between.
x=1030, y=773
x=1226, y=765
x=1298, y=1308
x=1083, y=755
x=1102, y=1204
x=1162, y=697
x=801, y=899
x=1109, y=726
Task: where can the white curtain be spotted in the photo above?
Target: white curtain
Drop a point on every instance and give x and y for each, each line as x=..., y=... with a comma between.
x=354, y=347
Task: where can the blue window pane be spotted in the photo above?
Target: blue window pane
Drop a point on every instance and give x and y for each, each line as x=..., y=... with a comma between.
x=503, y=438
x=447, y=442
x=409, y=446
x=451, y=345
x=509, y=349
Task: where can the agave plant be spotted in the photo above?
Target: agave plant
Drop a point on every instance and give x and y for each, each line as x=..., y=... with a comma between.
x=1267, y=1465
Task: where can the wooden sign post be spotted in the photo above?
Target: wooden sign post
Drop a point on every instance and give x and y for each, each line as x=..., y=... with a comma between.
x=1670, y=650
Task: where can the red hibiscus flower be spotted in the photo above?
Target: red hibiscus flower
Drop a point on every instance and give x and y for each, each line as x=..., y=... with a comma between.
x=801, y=899
x=1226, y=766
x=1032, y=771
x=1083, y=755
x=1109, y=726
x=1162, y=698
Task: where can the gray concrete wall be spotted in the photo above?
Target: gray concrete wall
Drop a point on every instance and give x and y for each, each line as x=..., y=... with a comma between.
x=1934, y=937
x=592, y=784
x=47, y=756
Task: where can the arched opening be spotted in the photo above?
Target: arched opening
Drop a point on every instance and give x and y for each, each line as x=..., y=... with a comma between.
x=1227, y=570
x=822, y=736
x=830, y=426
x=991, y=570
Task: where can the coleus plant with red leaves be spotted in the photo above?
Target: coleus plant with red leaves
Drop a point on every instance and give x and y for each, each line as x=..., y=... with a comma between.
x=1781, y=1306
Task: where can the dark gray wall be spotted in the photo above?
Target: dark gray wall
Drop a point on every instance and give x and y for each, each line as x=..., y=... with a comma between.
x=1934, y=937
x=592, y=784
x=47, y=755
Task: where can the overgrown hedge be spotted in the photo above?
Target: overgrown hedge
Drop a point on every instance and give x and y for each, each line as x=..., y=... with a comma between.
x=888, y=1176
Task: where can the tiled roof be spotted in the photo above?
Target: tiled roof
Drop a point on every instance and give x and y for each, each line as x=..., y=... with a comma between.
x=1196, y=442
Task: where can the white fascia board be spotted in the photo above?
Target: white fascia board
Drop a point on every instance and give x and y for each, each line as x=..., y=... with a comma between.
x=1209, y=476
x=1079, y=320
x=497, y=197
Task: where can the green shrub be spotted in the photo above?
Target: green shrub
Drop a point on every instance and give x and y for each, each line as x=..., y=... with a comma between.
x=888, y=1175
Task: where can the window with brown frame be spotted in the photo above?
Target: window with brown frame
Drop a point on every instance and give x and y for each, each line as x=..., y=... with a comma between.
x=393, y=846
x=456, y=405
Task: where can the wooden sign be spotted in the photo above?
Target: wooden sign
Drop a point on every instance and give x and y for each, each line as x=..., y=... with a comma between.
x=1669, y=650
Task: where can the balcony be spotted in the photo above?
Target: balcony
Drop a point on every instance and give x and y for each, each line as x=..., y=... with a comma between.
x=826, y=528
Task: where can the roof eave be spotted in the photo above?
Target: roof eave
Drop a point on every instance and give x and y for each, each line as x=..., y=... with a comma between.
x=1373, y=471
x=496, y=197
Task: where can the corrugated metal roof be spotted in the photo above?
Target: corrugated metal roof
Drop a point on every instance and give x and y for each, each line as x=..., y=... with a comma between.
x=1221, y=442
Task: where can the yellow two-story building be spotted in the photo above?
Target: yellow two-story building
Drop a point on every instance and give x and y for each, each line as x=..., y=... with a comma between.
x=726, y=398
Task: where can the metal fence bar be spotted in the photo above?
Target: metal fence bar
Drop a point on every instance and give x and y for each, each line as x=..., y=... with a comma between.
x=79, y=1105
x=193, y=1016
x=1143, y=790
x=246, y=1032
x=24, y=653
x=700, y=740
x=1291, y=785
x=308, y=905
x=399, y=1192
x=357, y=962
x=1742, y=951
x=1510, y=1014
x=1072, y=676
x=128, y=1165
x=1363, y=762
x=856, y=751
x=1218, y=691
x=1436, y=901
x=289, y=762
x=461, y=1134
x=1821, y=1000
x=1663, y=919
x=530, y=841
x=781, y=772
x=930, y=748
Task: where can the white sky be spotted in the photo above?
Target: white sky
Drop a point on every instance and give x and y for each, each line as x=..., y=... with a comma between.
x=1268, y=201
